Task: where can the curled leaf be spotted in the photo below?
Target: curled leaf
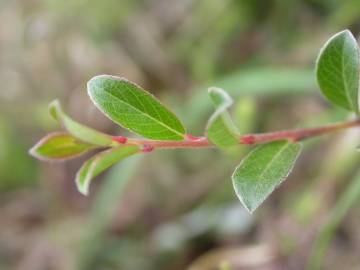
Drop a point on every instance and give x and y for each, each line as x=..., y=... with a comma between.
x=100, y=162
x=220, y=129
x=337, y=70
x=78, y=130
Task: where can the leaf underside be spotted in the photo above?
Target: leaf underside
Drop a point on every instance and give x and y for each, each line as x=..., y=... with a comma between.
x=100, y=162
x=135, y=109
x=337, y=70
x=262, y=170
x=220, y=129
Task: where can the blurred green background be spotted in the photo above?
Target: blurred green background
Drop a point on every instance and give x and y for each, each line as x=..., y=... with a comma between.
x=174, y=209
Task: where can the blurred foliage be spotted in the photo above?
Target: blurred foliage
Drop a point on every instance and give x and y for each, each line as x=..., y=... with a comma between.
x=178, y=208
x=16, y=166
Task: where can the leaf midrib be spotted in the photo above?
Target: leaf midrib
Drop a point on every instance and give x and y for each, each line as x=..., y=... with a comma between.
x=220, y=114
x=272, y=160
x=146, y=115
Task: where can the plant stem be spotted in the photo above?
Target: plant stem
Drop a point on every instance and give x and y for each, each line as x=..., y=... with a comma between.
x=202, y=142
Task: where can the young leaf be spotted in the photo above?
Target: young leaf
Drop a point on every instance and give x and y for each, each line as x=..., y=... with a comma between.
x=133, y=108
x=262, y=170
x=100, y=162
x=78, y=130
x=220, y=129
x=337, y=70
x=59, y=146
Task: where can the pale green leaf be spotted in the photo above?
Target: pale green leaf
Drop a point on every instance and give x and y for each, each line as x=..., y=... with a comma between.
x=220, y=129
x=59, y=146
x=133, y=108
x=78, y=130
x=262, y=170
x=337, y=70
x=100, y=162
x=274, y=80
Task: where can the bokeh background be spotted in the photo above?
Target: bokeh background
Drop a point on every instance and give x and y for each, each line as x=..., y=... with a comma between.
x=174, y=209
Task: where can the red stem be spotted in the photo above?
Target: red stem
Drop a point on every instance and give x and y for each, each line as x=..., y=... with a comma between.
x=202, y=142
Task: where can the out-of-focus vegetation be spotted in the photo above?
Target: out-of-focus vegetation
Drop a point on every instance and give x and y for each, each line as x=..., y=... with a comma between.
x=173, y=209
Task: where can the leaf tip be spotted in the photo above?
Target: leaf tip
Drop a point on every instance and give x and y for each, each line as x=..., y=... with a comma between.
x=83, y=181
x=105, y=76
x=92, y=85
x=213, y=89
x=94, y=80
x=98, y=78
x=82, y=188
x=220, y=96
x=54, y=109
x=343, y=32
x=247, y=205
x=32, y=151
x=346, y=31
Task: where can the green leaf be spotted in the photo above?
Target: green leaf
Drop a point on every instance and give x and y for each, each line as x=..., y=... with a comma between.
x=262, y=170
x=133, y=108
x=59, y=146
x=78, y=130
x=274, y=80
x=100, y=162
x=337, y=70
x=220, y=129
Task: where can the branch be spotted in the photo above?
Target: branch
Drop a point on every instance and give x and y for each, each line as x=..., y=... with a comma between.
x=248, y=139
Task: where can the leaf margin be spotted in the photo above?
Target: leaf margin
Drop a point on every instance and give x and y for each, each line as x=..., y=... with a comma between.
x=49, y=136
x=88, y=170
x=272, y=189
x=221, y=114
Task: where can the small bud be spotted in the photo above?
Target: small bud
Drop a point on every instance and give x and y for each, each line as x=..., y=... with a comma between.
x=147, y=148
x=119, y=139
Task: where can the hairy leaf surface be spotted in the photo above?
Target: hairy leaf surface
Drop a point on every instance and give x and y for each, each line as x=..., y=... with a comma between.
x=133, y=108
x=337, y=70
x=100, y=162
x=220, y=129
x=262, y=170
